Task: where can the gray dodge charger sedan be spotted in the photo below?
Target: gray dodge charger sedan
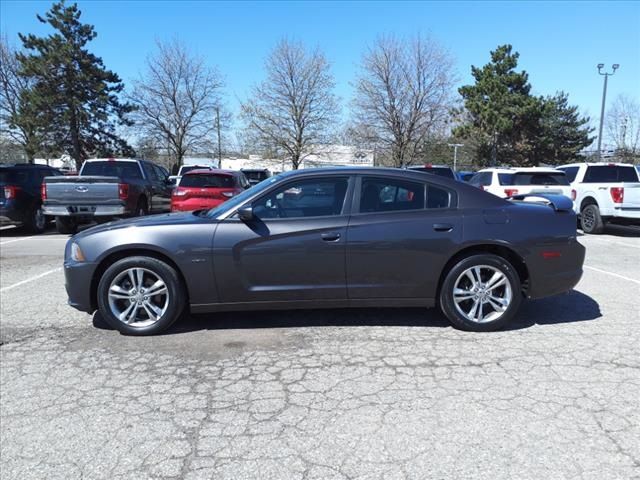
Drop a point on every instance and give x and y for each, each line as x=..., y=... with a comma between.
x=331, y=237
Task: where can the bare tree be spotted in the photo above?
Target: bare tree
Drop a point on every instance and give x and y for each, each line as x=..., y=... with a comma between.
x=13, y=88
x=403, y=94
x=176, y=100
x=623, y=125
x=294, y=109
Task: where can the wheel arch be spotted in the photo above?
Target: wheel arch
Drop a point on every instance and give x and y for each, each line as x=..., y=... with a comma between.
x=114, y=256
x=506, y=252
x=588, y=200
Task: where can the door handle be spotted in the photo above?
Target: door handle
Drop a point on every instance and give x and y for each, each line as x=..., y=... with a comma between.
x=442, y=227
x=330, y=236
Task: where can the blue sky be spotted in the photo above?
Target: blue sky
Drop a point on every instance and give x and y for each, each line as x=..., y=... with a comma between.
x=560, y=43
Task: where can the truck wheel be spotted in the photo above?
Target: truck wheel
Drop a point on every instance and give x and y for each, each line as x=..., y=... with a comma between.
x=66, y=226
x=36, y=221
x=590, y=219
x=142, y=209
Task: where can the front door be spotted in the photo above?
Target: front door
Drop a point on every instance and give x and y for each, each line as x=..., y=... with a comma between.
x=293, y=250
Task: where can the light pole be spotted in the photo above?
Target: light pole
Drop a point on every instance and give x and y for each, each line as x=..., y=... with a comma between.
x=606, y=76
x=455, y=153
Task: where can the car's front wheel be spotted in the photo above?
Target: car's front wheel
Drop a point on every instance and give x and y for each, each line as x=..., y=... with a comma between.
x=481, y=293
x=140, y=295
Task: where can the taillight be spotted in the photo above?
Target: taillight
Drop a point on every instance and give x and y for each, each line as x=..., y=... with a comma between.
x=510, y=192
x=179, y=192
x=43, y=191
x=10, y=191
x=617, y=194
x=123, y=191
x=574, y=195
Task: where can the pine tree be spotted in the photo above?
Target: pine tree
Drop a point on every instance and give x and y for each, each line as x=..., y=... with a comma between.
x=74, y=97
x=562, y=132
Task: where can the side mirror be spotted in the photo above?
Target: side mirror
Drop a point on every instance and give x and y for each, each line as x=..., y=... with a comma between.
x=245, y=213
x=170, y=181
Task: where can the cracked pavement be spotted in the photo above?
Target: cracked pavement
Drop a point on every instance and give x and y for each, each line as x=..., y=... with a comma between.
x=334, y=394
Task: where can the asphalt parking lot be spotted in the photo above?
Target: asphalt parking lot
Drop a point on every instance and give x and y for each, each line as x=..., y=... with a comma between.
x=335, y=394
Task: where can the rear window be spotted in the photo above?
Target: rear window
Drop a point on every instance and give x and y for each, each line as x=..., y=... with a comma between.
x=256, y=176
x=208, y=181
x=112, y=169
x=439, y=171
x=17, y=176
x=610, y=173
x=533, y=178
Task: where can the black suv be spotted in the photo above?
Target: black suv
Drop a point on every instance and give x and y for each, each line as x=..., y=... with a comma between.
x=20, y=197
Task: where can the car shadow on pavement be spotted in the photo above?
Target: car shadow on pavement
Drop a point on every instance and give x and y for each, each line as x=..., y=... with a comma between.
x=568, y=308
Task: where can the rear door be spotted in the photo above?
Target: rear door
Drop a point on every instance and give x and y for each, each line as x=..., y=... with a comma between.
x=401, y=235
x=293, y=250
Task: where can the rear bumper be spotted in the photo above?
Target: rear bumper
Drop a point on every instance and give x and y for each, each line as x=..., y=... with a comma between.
x=77, y=282
x=10, y=215
x=86, y=211
x=189, y=206
x=555, y=275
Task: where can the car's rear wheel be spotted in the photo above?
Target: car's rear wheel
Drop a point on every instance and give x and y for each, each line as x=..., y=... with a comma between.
x=140, y=296
x=36, y=221
x=66, y=225
x=142, y=208
x=481, y=293
x=590, y=219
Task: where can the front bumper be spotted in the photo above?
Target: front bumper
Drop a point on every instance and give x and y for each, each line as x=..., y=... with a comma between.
x=86, y=211
x=78, y=283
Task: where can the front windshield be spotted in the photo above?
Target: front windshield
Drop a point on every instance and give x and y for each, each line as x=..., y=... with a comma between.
x=239, y=199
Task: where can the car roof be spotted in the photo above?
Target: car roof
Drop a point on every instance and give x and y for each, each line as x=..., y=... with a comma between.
x=428, y=165
x=111, y=159
x=520, y=170
x=209, y=171
x=596, y=164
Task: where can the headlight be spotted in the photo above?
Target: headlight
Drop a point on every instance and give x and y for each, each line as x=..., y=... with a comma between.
x=76, y=253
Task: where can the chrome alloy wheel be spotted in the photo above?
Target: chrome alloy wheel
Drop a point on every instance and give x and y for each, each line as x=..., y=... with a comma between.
x=138, y=297
x=482, y=293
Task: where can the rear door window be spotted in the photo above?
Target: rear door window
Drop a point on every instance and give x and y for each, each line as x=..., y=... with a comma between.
x=610, y=173
x=207, y=181
x=481, y=179
x=570, y=172
x=390, y=194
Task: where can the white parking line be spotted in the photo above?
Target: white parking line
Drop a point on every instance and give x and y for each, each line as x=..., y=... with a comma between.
x=30, y=279
x=613, y=274
x=16, y=240
x=624, y=244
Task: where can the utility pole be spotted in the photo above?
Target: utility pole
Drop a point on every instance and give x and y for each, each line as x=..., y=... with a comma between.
x=455, y=153
x=219, y=136
x=606, y=75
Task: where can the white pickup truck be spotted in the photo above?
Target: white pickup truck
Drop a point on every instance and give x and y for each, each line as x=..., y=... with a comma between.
x=604, y=193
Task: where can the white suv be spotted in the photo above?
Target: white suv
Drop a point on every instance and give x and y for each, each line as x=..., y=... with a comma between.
x=507, y=182
x=604, y=192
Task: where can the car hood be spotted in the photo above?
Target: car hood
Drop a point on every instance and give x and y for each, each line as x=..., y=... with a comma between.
x=179, y=218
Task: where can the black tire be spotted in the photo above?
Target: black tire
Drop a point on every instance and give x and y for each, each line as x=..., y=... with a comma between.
x=590, y=220
x=36, y=221
x=448, y=304
x=175, y=289
x=142, y=208
x=66, y=225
